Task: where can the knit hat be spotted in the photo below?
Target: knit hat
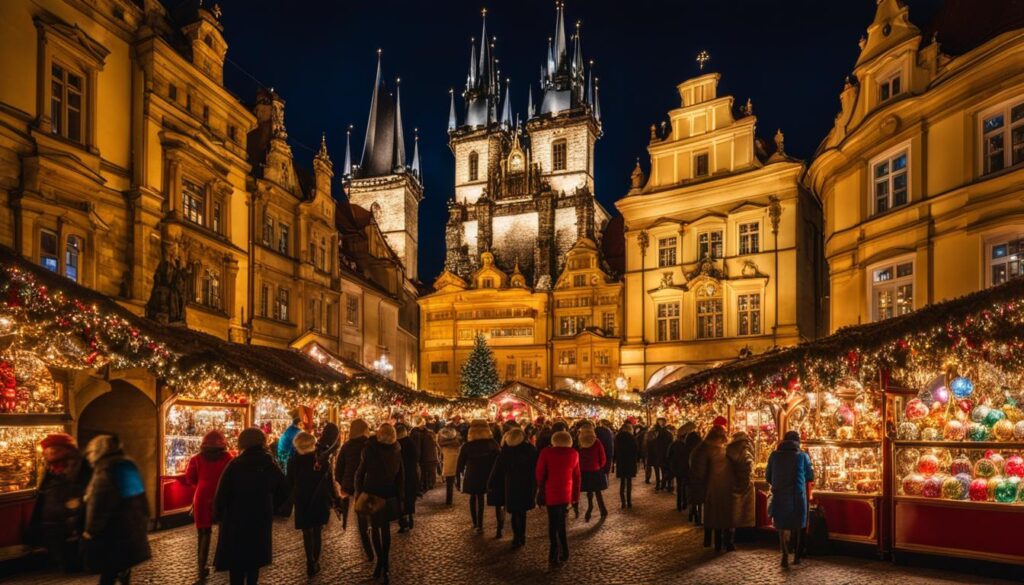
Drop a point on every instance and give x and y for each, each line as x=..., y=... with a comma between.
x=328, y=436
x=58, y=440
x=251, y=437
x=791, y=436
x=386, y=434
x=721, y=422
x=514, y=437
x=214, y=440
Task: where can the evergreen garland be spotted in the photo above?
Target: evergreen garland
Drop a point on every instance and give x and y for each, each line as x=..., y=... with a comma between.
x=479, y=375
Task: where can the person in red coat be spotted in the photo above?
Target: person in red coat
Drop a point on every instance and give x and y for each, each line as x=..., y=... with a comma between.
x=593, y=462
x=203, y=474
x=558, y=481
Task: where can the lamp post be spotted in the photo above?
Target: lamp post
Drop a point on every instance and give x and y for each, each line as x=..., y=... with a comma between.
x=382, y=366
x=644, y=241
x=775, y=215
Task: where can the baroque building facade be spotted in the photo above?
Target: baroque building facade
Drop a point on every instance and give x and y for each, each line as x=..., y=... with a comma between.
x=722, y=243
x=525, y=264
x=920, y=177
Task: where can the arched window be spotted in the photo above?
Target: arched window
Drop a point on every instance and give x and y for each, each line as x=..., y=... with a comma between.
x=558, y=155
x=474, y=166
x=73, y=258
x=709, y=311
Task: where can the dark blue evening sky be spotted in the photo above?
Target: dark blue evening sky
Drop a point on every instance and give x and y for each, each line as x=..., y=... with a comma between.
x=788, y=56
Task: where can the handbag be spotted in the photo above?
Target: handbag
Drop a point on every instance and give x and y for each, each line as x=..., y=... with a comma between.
x=368, y=504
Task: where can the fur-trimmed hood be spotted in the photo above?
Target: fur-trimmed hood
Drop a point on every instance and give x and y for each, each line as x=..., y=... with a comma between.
x=478, y=432
x=514, y=437
x=561, y=439
x=386, y=434
x=587, y=437
x=448, y=438
x=304, y=443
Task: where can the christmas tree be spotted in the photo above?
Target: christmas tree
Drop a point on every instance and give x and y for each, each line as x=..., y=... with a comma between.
x=479, y=375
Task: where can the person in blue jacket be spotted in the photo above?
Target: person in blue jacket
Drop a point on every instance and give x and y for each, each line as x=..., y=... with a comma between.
x=789, y=472
x=285, y=446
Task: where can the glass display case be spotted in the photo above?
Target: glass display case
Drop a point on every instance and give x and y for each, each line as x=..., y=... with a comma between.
x=187, y=422
x=760, y=426
x=27, y=386
x=21, y=457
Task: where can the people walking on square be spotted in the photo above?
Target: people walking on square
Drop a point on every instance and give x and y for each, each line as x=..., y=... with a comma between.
x=380, y=485
x=411, y=467
x=58, y=516
x=285, y=443
x=626, y=453
x=449, y=441
x=678, y=462
x=514, y=476
x=345, y=466
x=426, y=442
x=311, y=478
x=740, y=453
x=665, y=441
x=116, y=513
x=203, y=474
x=476, y=459
x=789, y=472
x=592, y=465
x=656, y=443
x=710, y=468
x=251, y=488
x=606, y=435
x=558, y=480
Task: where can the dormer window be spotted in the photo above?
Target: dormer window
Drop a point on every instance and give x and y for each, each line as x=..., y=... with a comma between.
x=474, y=166
x=890, y=87
x=558, y=155
x=700, y=165
x=487, y=283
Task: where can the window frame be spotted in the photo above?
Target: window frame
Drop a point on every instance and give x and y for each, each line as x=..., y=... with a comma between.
x=60, y=121
x=717, y=318
x=281, y=303
x=559, y=154
x=1005, y=131
x=473, y=164
x=711, y=244
x=752, y=237
x=352, y=309
x=668, y=251
x=193, y=203
x=283, y=238
x=1006, y=239
x=567, y=357
x=663, y=323
x=53, y=255
x=437, y=370
x=893, y=283
x=885, y=86
x=72, y=49
x=753, y=314
x=888, y=179
x=697, y=157
x=73, y=261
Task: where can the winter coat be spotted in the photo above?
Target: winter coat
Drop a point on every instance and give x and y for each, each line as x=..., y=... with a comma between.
x=382, y=474
x=513, y=476
x=593, y=462
x=59, y=514
x=426, y=444
x=642, y=436
x=285, y=448
x=411, y=472
x=203, y=473
x=544, y=438
x=697, y=481
x=449, y=441
x=310, y=479
x=657, y=446
x=626, y=453
x=607, y=438
x=251, y=488
x=740, y=453
x=116, y=515
x=788, y=472
x=558, y=475
x=476, y=459
x=717, y=476
x=349, y=456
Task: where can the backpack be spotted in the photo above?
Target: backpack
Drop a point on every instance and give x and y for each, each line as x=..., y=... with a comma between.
x=815, y=542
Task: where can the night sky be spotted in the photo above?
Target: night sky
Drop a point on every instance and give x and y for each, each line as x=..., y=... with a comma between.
x=788, y=56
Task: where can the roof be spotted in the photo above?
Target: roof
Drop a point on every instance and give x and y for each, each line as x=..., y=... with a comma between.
x=613, y=245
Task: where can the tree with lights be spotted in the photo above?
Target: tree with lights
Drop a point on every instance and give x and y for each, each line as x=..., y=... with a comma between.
x=479, y=375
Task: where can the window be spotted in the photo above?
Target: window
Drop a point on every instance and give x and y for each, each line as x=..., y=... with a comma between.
x=890, y=178
x=439, y=368
x=748, y=314
x=474, y=166
x=558, y=155
x=567, y=357
x=709, y=318
x=48, y=250
x=233, y=132
x=526, y=368
x=667, y=251
x=206, y=114
x=281, y=304
x=193, y=202
x=332, y=312
x=997, y=134
x=313, y=315
x=573, y=324
x=66, y=102
x=320, y=254
x=264, y=300
x=172, y=92
x=487, y=282
x=215, y=217
x=282, y=238
x=601, y=357
x=268, y=230
x=188, y=102
x=668, y=322
x=351, y=309
x=510, y=371
x=892, y=290
x=209, y=293
x=1006, y=260
x=700, y=165
x=608, y=323
x=750, y=237
x=72, y=257
x=709, y=245
x=889, y=88
x=579, y=280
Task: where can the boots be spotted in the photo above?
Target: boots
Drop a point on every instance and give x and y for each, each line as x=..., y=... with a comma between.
x=707, y=537
x=785, y=550
x=797, y=552
x=728, y=542
x=204, y=538
x=718, y=540
x=499, y=516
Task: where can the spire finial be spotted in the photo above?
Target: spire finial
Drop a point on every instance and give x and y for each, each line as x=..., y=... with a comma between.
x=780, y=138
x=702, y=58
x=398, y=160
x=416, y=154
x=347, y=169
x=452, y=121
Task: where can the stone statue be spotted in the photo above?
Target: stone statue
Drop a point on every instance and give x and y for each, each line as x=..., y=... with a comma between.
x=169, y=296
x=780, y=139
x=637, y=176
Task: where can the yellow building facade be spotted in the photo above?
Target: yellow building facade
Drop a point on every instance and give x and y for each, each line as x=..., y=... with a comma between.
x=722, y=243
x=921, y=176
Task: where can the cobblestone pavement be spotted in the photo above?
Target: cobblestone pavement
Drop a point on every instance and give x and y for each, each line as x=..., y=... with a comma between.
x=649, y=544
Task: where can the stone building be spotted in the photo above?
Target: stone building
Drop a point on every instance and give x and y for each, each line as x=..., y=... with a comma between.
x=722, y=243
x=525, y=260
x=920, y=178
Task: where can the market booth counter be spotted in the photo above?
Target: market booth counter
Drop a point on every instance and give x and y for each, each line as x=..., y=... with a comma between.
x=762, y=426
x=959, y=471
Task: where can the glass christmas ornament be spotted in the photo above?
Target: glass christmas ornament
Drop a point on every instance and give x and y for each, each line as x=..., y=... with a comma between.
x=961, y=465
x=985, y=468
x=906, y=461
x=1006, y=490
x=980, y=413
x=926, y=397
x=994, y=415
x=927, y=465
x=913, y=484
x=844, y=416
x=933, y=486
x=941, y=395
x=1018, y=431
x=993, y=483
x=978, y=490
x=1014, y=466
x=1013, y=413
x=962, y=387
x=954, y=431
x=909, y=431
x=916, y=410
x=955, y=487
x=995, y=458
x=1003, y=430
x=977, y=432
x=931, y=434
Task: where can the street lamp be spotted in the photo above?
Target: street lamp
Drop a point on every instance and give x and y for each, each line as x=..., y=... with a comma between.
x=382, y=366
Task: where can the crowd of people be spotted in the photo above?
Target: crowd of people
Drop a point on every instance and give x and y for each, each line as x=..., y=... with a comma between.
x=92, y=506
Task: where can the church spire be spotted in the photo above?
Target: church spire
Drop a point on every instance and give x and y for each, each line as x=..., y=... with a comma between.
x=529, y=103
x=597, y=100
x=577, y=51
x=416, y=154
x=321, y=154
x=506, y=112
x=384, y=148
x=347, y=168
x=590, y=84
x=559, y=48
x=399, y=157
x=371, y=123
x=452, y=120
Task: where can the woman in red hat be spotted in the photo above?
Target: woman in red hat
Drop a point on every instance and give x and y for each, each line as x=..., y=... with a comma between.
x=203, y=473
x=58, y=516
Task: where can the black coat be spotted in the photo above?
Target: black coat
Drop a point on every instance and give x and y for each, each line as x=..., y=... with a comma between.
x=514, y=478
x=116, y=516
x=426, y=443
x=657, y=442
x=251, y=488
x=310, y=479
x=58, y=514
x=349, y=456
x=381, y=473
x=679, y=455
x=476, y=459
x=607, y=438
x=626, y=453
x=411, y=469
x=544, y=439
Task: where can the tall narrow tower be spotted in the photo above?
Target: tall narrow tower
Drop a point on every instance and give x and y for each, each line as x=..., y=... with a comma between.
x=382, y=182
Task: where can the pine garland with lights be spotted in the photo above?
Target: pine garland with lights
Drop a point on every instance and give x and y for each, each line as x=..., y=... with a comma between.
x=479, y=375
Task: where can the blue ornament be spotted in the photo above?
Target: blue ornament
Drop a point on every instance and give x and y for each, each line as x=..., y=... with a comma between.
x=962, y=387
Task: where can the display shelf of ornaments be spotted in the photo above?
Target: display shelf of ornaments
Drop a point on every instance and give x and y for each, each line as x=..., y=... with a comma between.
x=845, y=467
x=21, y=460
x=187, y=423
